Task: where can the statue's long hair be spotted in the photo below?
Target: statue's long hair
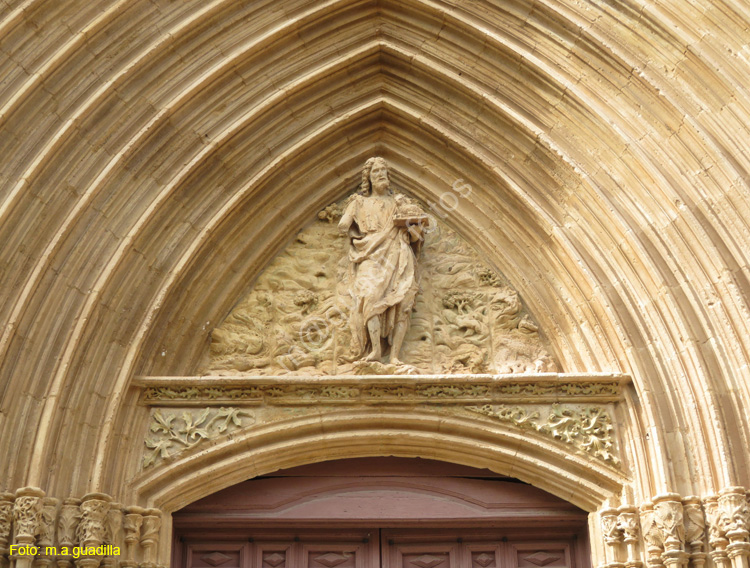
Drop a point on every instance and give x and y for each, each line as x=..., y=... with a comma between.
x=365, y=187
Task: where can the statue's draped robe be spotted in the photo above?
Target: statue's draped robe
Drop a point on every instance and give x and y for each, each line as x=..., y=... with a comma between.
x=384, y=279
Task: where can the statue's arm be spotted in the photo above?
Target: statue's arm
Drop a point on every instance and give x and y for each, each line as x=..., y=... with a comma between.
x=348, y=217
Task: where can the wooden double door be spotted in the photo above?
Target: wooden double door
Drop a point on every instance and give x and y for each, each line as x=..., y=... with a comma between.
x=381, y=512
x=381, y=548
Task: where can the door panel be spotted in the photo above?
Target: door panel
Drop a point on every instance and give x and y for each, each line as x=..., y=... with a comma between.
x=396, y=548
x=541, y=555
x=423, y=555
x=272, y=555
x=484, y=556
x=229, y=555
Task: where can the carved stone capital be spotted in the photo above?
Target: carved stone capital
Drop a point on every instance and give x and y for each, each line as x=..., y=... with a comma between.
x=67, y=522
x=734, y=513
x=91, y=528
x=716, y=535
x=49, y=516
x=131, y=524
x=695, y=530
x=115, y=519
x=150, y=535
x=668, y=517
x=27, y=514
x=652, y=535
x=627, y=523
x=610, y=529
x=6, y=520
x=151, y=527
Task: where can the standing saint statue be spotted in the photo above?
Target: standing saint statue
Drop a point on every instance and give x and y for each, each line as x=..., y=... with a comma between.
x=386, y=233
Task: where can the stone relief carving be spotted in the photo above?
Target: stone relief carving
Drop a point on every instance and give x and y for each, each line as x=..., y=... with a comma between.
x=652, y=536
x=695, y=530
x=91, y=529
x=481, y=389
x=716, y=536
x=376, y=266
x=589, y=429
x=91, y=521
x=131, y=525
x=734, y=512
x=668, y=516
x=611, y=530
x=46, y=535
x=6, y=520
x=172, y=434
x=627, y=522
x=67, y=522
x=150, y=536
x=27, y=515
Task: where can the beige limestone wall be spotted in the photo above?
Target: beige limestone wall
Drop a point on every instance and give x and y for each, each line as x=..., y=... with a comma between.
x=157, y=154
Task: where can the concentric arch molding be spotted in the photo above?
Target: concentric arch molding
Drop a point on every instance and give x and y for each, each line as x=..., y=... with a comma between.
x=538, y=388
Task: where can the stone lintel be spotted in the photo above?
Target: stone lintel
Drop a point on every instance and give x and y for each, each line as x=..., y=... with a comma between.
x=536, y=388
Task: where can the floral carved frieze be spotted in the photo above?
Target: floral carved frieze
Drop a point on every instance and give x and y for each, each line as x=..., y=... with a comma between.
x=246, y=391
x=588, y=429
x=189, y=411
x=171, y=433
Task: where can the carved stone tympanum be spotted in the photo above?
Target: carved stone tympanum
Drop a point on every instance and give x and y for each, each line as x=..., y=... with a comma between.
x=379, y=285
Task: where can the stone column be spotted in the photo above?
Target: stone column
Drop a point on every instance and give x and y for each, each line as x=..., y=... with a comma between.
x=612, y=538
x=652, y=536
x=67, y=527
x=114, y=534
x=6, y=524
x=734, y=515
x=47, y=533
x=91, y=529
x=27, y=518
x=668, y=517
x=150, y=537
x=131, y=525
x=695, y=530
x=627, y=523
x=716, y=536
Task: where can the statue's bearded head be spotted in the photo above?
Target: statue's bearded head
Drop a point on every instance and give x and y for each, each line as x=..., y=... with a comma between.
x=375, y=176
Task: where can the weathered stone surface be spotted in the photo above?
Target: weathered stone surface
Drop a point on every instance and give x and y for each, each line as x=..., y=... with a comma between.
x=304, y=313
